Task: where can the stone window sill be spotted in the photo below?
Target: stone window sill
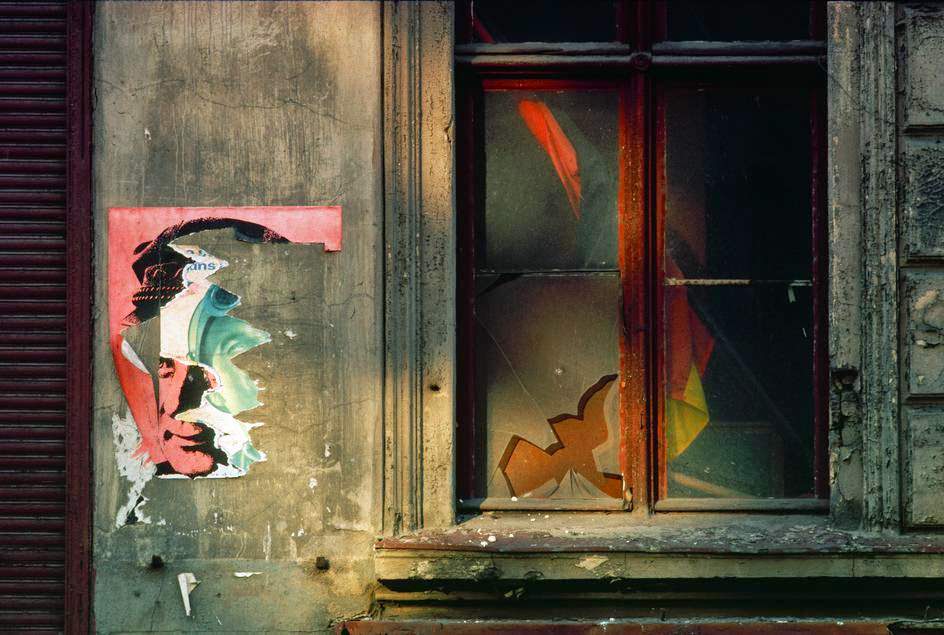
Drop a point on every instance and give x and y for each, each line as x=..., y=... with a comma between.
x=606, y=546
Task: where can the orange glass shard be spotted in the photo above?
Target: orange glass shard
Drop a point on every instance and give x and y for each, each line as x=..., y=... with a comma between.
x=526, y=467
x=690, y=345
x=543, y=125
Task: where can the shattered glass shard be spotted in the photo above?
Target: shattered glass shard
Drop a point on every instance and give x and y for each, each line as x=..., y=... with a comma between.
x=569, y=462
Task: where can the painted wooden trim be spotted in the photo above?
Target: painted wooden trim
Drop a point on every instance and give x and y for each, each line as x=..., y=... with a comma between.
x=78, y=316
x=419, y=276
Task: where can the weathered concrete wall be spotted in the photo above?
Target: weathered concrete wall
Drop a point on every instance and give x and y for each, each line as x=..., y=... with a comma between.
x=251, y=103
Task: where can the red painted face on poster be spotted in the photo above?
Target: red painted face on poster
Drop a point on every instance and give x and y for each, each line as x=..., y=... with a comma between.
x=184, y=443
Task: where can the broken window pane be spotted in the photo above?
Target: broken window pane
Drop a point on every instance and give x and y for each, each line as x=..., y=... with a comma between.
x=728, y=20
x=738, y=414
x=551, y=174
x=545, y=20
x=737, y=183
x=547, y=388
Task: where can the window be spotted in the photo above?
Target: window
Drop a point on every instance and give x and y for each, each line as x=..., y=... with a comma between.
x=641, y=256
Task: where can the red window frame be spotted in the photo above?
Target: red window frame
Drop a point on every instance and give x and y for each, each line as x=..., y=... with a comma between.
x=637, y=73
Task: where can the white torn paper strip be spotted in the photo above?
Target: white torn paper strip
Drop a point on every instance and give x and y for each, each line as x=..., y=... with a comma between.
x=187, y=583
x=137, y=470
x=247, y=574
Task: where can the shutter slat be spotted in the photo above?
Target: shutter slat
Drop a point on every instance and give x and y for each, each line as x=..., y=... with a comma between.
x=32, y=619
x=49, y=43
x=27, y=602
x=28, y=260
x=32, y=339
x=36, y=104
x=13, y=135
x=33, y=73
x=18, y=243
x=33, y=58
x=36, y=355
x=36, y=477
x=33, y=432
x=29, y=494
x=41, y=152
x=31, y=524
x=32, y=10
x=28, y=89
x=30, y=587
x=29, y=462
x=39, y=228
x=32, y=196
x=40, y=120
x=20, y=307
x=35, y=572
x=13, y=603
x=31, y=24
x=32, y=508
x=34, y=415
x=21, y=445
x=31, y=371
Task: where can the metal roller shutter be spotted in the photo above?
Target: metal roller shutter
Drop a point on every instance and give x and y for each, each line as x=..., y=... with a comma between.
x=32, y=315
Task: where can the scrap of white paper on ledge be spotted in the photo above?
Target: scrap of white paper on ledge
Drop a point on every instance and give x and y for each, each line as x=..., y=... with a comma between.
x=187, y=583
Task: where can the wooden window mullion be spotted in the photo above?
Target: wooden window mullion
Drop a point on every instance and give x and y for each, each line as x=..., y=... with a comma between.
x=633, y=249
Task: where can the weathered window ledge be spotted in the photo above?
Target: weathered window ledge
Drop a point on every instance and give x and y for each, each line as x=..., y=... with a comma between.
x=606, y=546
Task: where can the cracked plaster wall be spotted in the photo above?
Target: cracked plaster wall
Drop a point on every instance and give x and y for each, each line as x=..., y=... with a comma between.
x=250, y=103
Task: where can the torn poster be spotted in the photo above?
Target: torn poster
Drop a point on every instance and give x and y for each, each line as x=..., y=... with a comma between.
x=189, y=428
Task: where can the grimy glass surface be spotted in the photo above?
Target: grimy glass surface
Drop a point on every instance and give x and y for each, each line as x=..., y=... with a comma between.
x=545, y=20
x=728, y=20
x=544, y=342
x=551, y=179
x=738, y=183
x=738, y=414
